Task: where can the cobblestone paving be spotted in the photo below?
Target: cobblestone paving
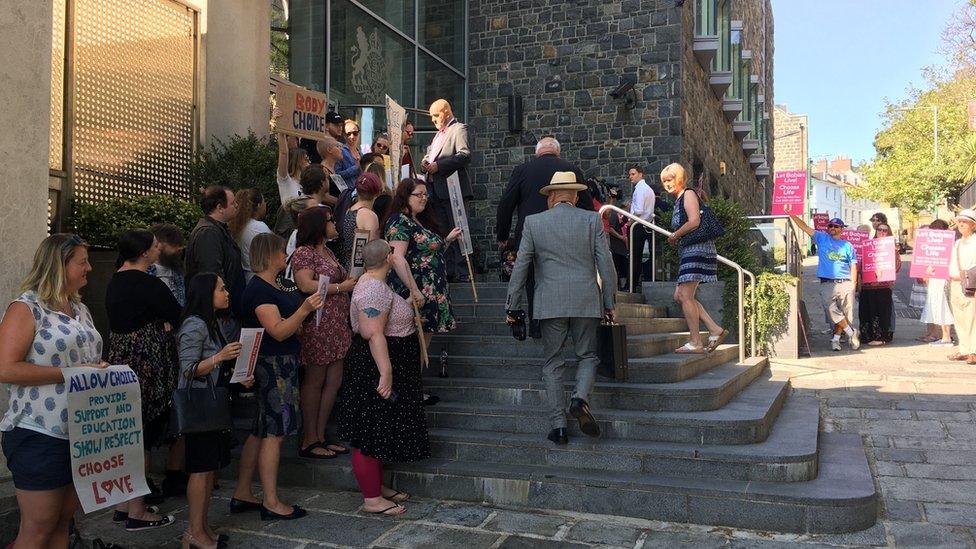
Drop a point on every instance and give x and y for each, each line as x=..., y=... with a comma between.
x=914, y=410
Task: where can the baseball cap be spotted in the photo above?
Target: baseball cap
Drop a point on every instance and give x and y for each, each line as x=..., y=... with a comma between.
x=333, y=117
x=837, y=221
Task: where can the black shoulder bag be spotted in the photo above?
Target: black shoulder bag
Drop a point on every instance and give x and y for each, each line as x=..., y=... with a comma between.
x=708, y=229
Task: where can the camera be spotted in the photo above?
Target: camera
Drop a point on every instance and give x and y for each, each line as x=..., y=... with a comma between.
x=518, y=327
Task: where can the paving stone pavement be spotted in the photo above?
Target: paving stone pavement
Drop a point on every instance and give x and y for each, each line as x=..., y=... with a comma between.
x=914, y=410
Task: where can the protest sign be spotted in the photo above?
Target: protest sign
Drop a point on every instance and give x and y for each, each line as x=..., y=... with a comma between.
x=878, y=264
x=339, y=181
x=405, y=171
x=460, y=216
x=105, y=433
x=395, y=117
x=302, y=111
x=856, y=238
x=250, y=344
x=820, y=221
x=356, y=263
x=932, y=253
x=323, y=290
x=789, y=192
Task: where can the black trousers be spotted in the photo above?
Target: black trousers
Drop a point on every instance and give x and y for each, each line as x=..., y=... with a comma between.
x=453, y=260
x=641, y=237
x=621, y=264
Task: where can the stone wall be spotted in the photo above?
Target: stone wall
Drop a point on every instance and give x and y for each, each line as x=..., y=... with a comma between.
x=791, y=148
x=564, y=58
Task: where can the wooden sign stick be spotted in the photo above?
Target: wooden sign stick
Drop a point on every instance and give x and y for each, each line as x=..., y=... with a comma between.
x=474, y=290
x=424, y=359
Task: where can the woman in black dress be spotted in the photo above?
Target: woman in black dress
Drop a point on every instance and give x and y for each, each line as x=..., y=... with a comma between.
x=382, y=415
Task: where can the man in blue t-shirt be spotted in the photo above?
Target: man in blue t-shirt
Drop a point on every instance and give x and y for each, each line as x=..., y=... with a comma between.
x=837, y=271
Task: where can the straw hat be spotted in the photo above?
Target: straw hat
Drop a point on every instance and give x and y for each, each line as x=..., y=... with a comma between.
x=562, y=181
x=967, y=215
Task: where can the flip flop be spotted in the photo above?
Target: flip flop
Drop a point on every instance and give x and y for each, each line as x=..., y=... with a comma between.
x=958, y=356
x=399, y=497
x=332, y=442
x=386, y=512
x=689, y=349
x=715, y=341
x=309, y=452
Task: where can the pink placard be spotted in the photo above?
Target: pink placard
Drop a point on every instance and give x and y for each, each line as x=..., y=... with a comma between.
x=879, y=259
x=820, y=221
x=857, y=239
x=932, y=253
x=789, y=192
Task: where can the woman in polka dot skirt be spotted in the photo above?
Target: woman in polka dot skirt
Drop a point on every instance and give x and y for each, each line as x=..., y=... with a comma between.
x=47, y=328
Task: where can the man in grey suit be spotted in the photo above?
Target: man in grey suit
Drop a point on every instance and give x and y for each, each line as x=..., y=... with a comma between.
x=568, y=248
x=448, y=154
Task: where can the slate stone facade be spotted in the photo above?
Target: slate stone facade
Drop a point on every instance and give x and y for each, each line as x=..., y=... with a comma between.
x=565, y=57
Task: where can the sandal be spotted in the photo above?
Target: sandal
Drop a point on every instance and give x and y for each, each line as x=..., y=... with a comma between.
x=398, y=497
x=386, y=512
x=715, y=341
x=328, y=443
x=971, y=360
x=958, y=356
x=927, y=339
x=689, y=349
x=308, y=452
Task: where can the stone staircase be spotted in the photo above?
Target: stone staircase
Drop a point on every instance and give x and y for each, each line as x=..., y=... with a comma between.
x=689, y=438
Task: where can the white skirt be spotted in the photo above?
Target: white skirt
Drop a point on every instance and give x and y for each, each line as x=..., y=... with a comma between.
x=936, y=309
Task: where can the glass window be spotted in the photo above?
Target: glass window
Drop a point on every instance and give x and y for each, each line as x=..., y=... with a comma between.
x=400, y=14
x=305, y=46
x=706, y=12
x=442, y=29
x=735, y=90
x=723, y=58
x=439, y=82
x=368, y=59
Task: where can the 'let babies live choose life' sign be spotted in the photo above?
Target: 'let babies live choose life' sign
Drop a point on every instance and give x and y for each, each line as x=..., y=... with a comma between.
x=105, y=435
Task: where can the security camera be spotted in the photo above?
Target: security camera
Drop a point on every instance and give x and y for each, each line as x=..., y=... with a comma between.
x=626, y=84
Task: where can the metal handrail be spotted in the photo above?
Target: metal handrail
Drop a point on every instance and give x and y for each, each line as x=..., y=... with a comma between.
x=727, y=262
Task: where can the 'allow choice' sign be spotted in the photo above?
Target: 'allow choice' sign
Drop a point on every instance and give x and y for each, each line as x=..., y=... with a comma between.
x=789, y=192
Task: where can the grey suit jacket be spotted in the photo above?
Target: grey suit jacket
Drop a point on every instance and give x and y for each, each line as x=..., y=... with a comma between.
x=454, y=156
x=568, y=247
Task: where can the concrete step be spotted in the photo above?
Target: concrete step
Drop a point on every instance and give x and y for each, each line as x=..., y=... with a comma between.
x=627, y=297
x=497, y=291
x=667, y=368
x=495, y=309
x=746, y=419
x=841, y=498
x=709, y=391
x=638, y=346
x=789, y=454
x=497, y=327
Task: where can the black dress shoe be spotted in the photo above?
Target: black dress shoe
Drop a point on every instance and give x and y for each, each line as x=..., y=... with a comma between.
x=558, y=436
x=296, y=513
x=430, y=400
x=579, y=409
x=241, y=506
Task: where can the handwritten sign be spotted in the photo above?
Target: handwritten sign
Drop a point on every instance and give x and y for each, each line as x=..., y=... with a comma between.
x=856, y=238
x=105, y=432
x=356, y=263
x=302, y=111
x=388, y=169
x=323, y=290
x=789, y=192
x=250, y=345
x=878, y=264
x=820, y=220
x=460, y=216
x=932, y=253
x=395, y=117
x=339, y=181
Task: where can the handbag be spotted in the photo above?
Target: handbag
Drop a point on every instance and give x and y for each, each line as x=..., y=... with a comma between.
x=612, y=350
x=967, y=277
x=708, y=229
x=200, y=409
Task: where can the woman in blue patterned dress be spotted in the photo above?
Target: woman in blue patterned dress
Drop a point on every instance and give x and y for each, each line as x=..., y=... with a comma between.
x=697, y=263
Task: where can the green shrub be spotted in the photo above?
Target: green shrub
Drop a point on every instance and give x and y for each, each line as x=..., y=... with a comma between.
x=772, y=307
x=100, y=223
x=239, y=163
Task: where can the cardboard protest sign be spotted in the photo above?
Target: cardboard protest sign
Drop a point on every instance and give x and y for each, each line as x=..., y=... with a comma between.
x=460, y=216
x=932, y=253
x=339, y=181
x=856, y=238
x=105, y=434
x=250, y=344
x=302, y=111
x=878, y=263
x=395, y=117
x=356, y=263
x=388, y=169
x=789, y=192
x=820, y=221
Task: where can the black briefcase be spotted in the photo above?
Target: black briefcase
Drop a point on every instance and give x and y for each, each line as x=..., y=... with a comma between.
x=612, y=349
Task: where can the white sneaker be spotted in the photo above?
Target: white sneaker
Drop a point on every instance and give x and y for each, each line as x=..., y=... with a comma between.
x=827, y=331
x=835, y=344
x=855, y=342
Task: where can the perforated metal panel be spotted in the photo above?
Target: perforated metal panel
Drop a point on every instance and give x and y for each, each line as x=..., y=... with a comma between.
x=134, y=72
x=56, y=154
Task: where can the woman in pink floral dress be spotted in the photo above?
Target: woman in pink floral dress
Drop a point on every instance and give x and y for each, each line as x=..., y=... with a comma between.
x=324, y=339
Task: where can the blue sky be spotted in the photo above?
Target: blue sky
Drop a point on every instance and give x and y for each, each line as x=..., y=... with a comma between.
x=837, y=61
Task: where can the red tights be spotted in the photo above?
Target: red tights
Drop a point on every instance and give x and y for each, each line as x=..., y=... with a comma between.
x=369, y=474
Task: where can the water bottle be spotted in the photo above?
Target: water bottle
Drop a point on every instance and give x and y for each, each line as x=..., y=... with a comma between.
x=443, y=372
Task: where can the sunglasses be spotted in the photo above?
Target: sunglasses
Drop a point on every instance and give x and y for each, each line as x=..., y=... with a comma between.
x=382, y=146
x=832, y=226
x=880, y=230
x=350, y=134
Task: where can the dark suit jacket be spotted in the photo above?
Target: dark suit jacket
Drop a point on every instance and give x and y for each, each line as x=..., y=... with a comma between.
x=522, y=193
x=454, y=156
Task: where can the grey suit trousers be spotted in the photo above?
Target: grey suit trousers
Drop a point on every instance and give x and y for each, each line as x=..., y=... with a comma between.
x=554, y=333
